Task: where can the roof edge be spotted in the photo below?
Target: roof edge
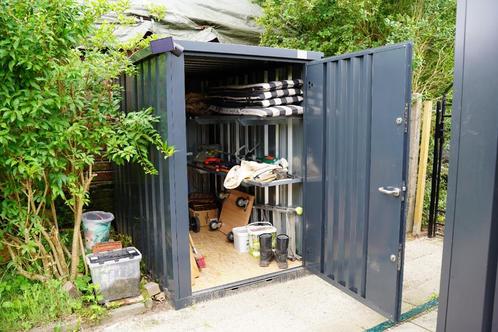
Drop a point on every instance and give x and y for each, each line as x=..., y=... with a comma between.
x=168, y=44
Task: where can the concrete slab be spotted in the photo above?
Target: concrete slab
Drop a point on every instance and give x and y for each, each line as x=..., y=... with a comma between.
x=427, y=321
x=127, y=311
x=304, y=304
x=422, y=270
x=407, y=327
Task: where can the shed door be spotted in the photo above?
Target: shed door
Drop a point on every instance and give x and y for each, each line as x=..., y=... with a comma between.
x=356, y=161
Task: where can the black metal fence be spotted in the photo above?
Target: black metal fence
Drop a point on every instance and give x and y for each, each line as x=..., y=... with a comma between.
x=437, y=161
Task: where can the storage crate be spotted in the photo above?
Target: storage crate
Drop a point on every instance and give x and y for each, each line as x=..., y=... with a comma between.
x=116, y=272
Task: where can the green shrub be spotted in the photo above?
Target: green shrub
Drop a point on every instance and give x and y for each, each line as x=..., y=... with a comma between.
x=25, y=304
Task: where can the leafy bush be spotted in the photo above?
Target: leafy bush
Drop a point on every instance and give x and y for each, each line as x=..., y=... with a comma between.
x=342, y=26
x=59, y=111
x=25, y=304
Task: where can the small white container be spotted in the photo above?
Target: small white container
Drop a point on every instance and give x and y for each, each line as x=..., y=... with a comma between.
x=116, y=272
x=241, y=239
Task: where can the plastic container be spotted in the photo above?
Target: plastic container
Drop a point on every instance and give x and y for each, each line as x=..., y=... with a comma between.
x=254, y=230
x=241, y=239
x=116, y=272
x=96, y=226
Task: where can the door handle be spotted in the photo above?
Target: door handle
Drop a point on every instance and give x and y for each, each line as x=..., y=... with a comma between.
x=391, y=191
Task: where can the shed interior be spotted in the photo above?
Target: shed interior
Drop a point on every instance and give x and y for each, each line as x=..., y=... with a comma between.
x=236, y=138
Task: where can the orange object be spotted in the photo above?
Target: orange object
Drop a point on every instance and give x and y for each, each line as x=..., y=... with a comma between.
x=107, y=246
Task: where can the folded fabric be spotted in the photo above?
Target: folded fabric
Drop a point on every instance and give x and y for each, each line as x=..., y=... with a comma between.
x=195, y=103
x=284, y=110
x=263, y=103
x=253, y=170
x=270, y=86
x=255, y=95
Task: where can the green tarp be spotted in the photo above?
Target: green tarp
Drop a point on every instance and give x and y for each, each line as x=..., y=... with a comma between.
x=204, y=20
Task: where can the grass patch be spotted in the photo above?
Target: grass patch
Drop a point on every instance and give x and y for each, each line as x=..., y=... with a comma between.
x=25, y=304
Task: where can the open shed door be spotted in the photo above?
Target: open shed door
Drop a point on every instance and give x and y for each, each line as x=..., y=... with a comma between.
x=355, y=128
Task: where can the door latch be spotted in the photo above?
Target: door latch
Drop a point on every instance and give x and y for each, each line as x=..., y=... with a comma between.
x=391, y=191
x=397, y=258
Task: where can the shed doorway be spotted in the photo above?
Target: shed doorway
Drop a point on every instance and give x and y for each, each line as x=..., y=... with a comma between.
x=215, y=143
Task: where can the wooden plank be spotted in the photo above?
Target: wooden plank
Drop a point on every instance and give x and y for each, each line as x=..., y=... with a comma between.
x=422, y=167
x=233, y=216
x=414, y=141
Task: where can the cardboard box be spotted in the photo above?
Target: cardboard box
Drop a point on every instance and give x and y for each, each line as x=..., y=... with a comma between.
x=205, y=216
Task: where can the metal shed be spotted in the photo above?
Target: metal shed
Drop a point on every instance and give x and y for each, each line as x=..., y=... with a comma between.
x=348, y=151
x=469, y=278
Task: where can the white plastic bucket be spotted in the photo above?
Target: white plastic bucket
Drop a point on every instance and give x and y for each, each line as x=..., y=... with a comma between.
x=254, y=230
x=96, y=226
x=241, y=239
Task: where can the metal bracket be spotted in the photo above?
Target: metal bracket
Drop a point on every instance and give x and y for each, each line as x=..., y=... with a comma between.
x=400, y=257
x=166, y=45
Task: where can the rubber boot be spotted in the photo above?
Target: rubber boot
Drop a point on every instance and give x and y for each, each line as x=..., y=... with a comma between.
x=281, y=250
x=265, y=249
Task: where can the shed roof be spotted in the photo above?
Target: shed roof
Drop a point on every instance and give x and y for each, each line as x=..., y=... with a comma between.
x=226, y=50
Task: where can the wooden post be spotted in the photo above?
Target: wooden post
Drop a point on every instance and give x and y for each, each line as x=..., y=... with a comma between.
x=422, y=167
x=414, y=141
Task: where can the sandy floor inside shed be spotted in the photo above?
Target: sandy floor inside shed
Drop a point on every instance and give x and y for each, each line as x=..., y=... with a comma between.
x=225, y=264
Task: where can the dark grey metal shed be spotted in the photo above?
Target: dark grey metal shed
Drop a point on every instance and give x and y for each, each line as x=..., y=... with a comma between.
x=349, y=150
x=469, y=278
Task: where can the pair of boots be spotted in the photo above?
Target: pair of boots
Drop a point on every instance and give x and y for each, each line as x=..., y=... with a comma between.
x=266, y=251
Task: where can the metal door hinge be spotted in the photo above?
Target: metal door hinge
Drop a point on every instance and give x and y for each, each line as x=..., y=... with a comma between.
x=405, y=116
x=400, y=257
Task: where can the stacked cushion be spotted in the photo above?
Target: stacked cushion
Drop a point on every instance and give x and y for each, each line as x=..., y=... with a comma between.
x=276, y=98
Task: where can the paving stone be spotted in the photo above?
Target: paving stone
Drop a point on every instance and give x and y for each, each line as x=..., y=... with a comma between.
x=127, y=311
x=152, y=288
x=407, y=327
x=427, y=320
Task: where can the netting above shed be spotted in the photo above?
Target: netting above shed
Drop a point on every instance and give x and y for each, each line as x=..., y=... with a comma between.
x=225, y=21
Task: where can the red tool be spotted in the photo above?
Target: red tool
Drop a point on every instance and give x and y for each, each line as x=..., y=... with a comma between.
x=212, y=160
x=199, y=259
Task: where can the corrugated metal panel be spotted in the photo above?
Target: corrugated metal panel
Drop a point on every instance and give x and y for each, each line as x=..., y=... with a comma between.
x=347, y=170
x=147, y=208
x=354, y=146
x=468, y=299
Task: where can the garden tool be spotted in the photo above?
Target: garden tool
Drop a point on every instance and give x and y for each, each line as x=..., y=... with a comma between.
x=199, y=259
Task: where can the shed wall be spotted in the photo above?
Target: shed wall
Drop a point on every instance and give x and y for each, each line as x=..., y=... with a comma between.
x=469, y=290
x=148, y=206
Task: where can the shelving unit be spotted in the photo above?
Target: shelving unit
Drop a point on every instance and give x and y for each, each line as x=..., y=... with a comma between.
x=273, y=183
x=243, y=120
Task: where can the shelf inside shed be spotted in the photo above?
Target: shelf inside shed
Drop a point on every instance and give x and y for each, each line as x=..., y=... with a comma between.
x=281, y=182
